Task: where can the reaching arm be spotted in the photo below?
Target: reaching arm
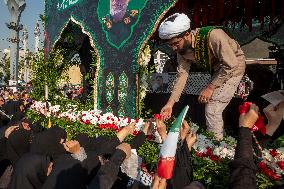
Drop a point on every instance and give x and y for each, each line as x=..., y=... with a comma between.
x=107, y=174
x=243, y=170
x=183, y=69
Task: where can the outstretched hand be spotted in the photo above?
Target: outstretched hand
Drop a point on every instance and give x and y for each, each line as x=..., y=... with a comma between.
x=126, y=148
x=205, y=94
x=249, y=118
x=159, y=183
x=131, y=127
x=191, y=140
x=162, y=129
x=72, y=146
x=9, y=130
x=166, y=112
x=184, y=129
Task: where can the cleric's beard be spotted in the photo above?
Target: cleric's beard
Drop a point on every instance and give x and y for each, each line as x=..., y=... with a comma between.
x=186, y=46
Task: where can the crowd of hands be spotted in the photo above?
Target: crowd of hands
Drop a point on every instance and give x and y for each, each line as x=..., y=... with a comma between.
x=273, y=114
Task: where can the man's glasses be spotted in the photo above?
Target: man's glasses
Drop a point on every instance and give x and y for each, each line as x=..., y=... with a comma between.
x=175, y=43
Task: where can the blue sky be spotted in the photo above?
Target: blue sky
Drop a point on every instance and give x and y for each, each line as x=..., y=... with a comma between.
x=29, y=17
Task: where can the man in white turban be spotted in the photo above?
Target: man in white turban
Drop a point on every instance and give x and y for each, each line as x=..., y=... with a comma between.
x=212, y=49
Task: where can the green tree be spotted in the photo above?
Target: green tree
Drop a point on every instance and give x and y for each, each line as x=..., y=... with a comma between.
x=50, y=73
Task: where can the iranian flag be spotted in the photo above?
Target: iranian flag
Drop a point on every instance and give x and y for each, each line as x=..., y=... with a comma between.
x=169, y=147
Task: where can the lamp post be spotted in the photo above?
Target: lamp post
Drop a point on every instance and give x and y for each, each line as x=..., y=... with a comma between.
x=15, y=7
x=26, y=51
x=37, y=35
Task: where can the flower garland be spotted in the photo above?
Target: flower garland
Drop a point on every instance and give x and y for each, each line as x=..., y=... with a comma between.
x=93, y=117
x=272, y=163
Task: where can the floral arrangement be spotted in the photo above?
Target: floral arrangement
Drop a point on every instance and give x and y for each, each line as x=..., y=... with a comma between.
x=271, y=164
x=92, y=117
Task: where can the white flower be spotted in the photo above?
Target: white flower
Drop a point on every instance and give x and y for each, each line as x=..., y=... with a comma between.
x=55, y=108
x=145, y=56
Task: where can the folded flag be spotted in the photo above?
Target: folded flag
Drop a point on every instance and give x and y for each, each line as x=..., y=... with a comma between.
x=168, y=150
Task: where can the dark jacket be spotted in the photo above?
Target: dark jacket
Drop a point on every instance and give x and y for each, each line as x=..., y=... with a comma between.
x=107, y=174
x=243, y=168
x=30, y=172
x=182, y=173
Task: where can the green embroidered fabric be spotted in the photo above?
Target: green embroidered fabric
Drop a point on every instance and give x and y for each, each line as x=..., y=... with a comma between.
x=122, y=93
x=202, y=50
x=110, y=88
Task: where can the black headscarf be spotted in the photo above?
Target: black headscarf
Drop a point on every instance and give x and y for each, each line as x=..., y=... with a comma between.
x=85, y=141
x=11, y=107
x=18, y=143
x=138, y=141
x=101, y=145
x=17, y=116
x=66, y=173
x=35, y=126
x=48, y=142
x=30, y=172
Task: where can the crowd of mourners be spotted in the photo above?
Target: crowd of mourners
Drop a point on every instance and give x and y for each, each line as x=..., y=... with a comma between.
x=32, y=157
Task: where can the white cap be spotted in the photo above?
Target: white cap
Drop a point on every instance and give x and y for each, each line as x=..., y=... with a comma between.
x=174, y=25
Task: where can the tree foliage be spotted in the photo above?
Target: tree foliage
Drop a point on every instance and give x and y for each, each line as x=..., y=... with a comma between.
x=50, y=73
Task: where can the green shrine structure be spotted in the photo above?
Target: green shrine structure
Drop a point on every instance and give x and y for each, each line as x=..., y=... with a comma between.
x=118, y=30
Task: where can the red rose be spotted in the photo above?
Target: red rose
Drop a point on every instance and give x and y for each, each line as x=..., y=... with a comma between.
x=200, y=154
x=136, y=132
x=275, y=177
x=273, y=152
x=259, y=125
x=143, y=165
x=244, y=108
x=261, y=165
x=150, y=137
x=213, y=157
x=209, y=151
x=267, y=171
x=157, y=116
x=281, y=164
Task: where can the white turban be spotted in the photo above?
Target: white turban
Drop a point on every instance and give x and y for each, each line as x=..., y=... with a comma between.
x=174, y=25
